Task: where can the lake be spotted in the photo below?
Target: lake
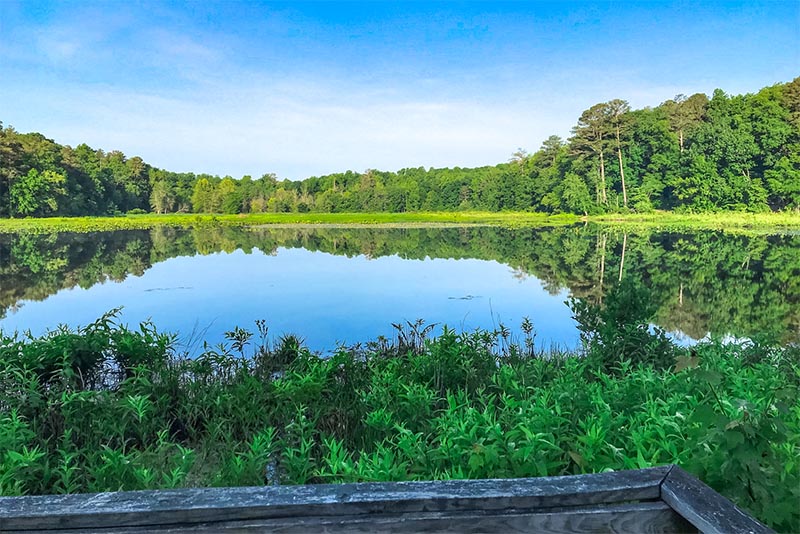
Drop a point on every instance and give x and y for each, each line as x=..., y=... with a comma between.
x=344, y=285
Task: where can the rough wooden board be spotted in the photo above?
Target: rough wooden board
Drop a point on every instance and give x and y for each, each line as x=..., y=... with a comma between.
x=621, y=518
x=704, y=508
x=202, y=505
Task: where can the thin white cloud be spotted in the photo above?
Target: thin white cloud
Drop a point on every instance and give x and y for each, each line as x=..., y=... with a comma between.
x=81, y=40
x=298, y=128
x=177, y=54
x=180, y=46
x=58, y=48
x=228, y=129
x=183, y=100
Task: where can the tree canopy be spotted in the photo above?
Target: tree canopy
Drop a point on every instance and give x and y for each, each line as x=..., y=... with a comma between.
x=695, y=153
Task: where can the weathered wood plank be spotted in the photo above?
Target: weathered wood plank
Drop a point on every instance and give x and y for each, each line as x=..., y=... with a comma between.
x=653, y=517
x=704, y=508
x=201, y=505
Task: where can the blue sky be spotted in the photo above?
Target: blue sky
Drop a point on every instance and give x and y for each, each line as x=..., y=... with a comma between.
x=303, y=89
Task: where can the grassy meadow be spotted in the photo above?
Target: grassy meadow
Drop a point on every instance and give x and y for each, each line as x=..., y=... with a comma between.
x=91, y=224
x=733, y=221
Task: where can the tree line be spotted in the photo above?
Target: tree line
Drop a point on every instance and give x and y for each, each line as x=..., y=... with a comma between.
x=727, y=152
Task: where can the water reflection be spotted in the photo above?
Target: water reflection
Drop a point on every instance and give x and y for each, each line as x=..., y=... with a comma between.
x=346, y=285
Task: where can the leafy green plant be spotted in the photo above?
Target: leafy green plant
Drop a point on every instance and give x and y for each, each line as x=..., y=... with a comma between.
x=619, y=329
x=461, y=405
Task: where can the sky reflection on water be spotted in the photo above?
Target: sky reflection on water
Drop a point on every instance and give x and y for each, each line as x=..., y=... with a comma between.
x=326, y=299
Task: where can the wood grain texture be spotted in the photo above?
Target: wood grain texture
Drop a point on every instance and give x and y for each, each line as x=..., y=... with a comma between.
x=639, y=518
x=204, y=505
x=704, y=508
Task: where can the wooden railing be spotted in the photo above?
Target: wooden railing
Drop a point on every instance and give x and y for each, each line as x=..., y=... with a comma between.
x=661, y=499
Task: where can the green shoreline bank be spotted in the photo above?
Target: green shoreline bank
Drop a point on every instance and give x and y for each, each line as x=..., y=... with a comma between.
x=733, y=221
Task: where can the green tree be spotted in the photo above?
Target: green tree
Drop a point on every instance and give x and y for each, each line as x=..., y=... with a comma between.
x=575, y=195
x=203, y=196
x=699, y=187
x=226, y=199
x=36, y=193
x=784, y=181
x=685, y=112
x=282, y=201
x=10, y=165
x=161, y=197
x=653, y=158
x=590, y=139
x=617, y=111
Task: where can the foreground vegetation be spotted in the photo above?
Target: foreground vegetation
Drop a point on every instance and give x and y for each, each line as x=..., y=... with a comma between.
x=111, y=408
x=692, y=154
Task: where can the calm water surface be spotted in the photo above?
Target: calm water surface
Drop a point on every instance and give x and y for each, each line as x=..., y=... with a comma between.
x=336, y=286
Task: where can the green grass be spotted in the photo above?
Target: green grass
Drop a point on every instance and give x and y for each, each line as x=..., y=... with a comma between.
x=733, y=221
x=658, y=220
x=89, y=224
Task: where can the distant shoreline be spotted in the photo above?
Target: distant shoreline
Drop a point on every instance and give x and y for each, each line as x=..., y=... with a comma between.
x=734, y=221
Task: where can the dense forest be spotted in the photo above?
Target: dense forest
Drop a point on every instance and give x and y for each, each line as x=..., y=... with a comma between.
x=689, y=153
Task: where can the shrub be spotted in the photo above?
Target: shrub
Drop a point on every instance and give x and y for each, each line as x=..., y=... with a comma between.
x=619, y=329
x=108, y=408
